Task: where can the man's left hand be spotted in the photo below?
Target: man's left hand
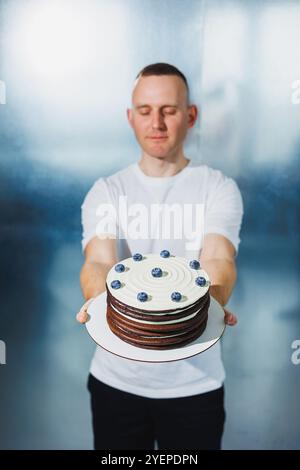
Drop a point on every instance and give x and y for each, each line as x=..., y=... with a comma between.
x=229, y=318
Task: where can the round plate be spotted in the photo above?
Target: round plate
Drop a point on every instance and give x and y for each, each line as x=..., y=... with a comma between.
x=100, y=332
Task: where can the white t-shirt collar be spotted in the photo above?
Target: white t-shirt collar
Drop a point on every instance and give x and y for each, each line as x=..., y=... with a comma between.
x=159, y=180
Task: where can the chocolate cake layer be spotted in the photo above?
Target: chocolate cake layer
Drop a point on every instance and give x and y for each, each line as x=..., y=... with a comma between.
x=154, y=342
x=165, y=325
x=156, y=335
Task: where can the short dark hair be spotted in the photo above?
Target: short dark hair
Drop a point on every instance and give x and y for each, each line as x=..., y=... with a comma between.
x=162, y=68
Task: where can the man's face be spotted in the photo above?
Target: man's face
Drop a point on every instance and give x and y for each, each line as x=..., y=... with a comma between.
x=160, y=115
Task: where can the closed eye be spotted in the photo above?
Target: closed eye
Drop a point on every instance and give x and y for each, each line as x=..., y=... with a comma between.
x=170, y=111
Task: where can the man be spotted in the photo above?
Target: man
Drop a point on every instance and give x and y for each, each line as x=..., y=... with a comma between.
x=179, y=404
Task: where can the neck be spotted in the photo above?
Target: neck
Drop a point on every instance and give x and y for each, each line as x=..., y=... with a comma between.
x=162, y=166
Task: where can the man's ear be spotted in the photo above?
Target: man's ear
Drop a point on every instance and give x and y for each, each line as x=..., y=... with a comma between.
x=129, y=116
x=193, y=114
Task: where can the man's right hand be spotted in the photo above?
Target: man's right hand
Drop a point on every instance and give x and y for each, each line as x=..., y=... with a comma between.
x=100, y=256
x=82, y=316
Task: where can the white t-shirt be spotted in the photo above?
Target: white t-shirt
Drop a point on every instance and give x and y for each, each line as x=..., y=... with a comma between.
x=223, y=211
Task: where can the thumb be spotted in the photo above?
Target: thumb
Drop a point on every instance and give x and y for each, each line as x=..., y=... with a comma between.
x=83, y=316
x=230, y=318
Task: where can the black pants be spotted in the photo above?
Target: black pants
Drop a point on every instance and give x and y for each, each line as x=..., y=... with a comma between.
x=123, y=420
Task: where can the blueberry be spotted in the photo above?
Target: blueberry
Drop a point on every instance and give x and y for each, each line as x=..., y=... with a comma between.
x=165, y=254
x=120, y=268
x=156, y=272
x=176, y=296
x=142, y=296
x=137, y=257
x=200, y=281
x=194, y=264
x=115, y=284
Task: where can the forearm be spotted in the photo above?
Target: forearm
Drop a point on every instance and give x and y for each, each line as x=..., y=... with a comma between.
x=92, y=278
x=222, y=273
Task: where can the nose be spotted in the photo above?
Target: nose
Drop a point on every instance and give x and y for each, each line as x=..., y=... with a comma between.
x=158, y=121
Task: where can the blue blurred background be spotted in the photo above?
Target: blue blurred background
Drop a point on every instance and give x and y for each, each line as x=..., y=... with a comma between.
x=66, y=71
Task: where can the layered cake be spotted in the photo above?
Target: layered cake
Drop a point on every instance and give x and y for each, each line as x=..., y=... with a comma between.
x=157, y=301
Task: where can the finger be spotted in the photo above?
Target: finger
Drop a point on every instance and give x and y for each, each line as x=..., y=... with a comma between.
x=230, y=319
x=87, y=304
x=82, y=316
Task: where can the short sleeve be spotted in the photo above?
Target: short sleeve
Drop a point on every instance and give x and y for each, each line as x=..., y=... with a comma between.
x=224, y=209
x=98, y=213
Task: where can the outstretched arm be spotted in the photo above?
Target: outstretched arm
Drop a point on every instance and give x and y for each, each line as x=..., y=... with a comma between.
x=218, y=259
x=100, y=256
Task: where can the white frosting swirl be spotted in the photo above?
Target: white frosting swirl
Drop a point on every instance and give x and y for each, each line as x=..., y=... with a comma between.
x=177, y=276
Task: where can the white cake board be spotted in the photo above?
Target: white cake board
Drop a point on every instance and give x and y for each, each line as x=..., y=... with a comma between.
x=100, y=332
